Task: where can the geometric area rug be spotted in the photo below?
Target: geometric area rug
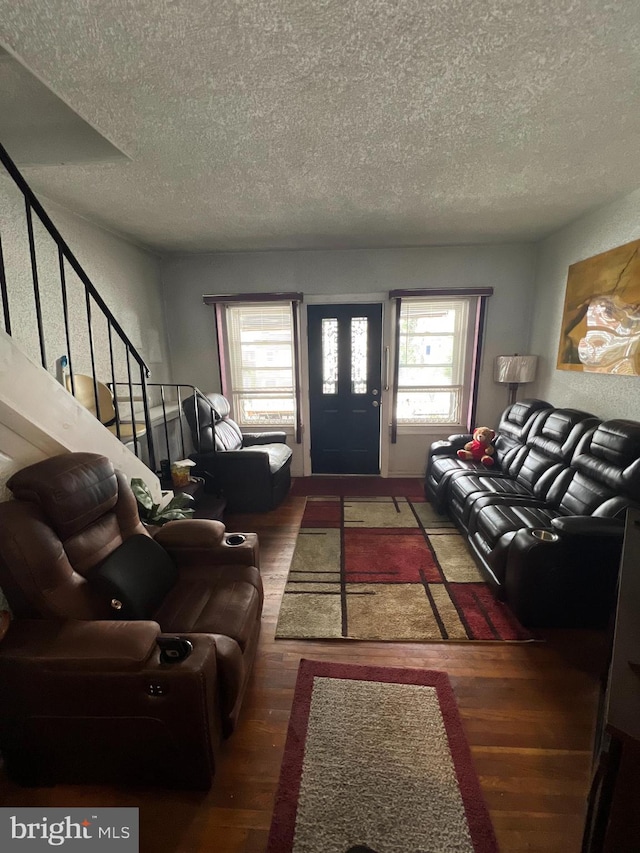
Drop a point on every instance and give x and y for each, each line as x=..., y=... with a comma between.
x=376, y=759
x=387, y=568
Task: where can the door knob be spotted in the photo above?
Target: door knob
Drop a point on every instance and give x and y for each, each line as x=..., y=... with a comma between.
x=375, y=404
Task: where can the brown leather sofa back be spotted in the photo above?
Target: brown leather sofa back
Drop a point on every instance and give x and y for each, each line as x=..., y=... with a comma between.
x=66, y=519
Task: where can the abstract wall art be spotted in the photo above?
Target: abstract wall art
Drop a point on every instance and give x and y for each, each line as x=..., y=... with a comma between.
x=600, y=330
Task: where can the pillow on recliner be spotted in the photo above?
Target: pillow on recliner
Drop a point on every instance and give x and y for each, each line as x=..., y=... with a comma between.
x=137, y=575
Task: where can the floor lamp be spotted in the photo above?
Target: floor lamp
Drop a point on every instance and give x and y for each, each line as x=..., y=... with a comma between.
x=514, y=370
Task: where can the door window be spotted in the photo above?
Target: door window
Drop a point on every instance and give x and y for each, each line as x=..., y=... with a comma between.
x=359, y=329
x=330, y=355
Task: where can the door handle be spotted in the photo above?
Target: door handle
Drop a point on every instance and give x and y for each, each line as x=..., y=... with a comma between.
x=375, y=404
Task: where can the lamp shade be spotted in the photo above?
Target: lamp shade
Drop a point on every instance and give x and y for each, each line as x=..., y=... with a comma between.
x=515, y=369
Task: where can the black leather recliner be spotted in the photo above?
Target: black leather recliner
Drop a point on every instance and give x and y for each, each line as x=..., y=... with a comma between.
x=252, y=471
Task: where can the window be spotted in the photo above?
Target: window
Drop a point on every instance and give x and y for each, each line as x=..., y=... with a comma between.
x=435, y=356
x=260, y=376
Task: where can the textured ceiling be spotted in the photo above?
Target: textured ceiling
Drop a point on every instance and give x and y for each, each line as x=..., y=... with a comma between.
x=256, y=124
x=39, y=128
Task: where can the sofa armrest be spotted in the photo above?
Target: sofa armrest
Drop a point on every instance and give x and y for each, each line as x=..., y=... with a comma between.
x=73, y=690
x=81, y=645
x=588, y=525
x=247, y=468
x=555, y=580
x=449, y=446
x=252, y=438
x=460, y=438
x=229, y=460
x=199, y=542
x=200, y=533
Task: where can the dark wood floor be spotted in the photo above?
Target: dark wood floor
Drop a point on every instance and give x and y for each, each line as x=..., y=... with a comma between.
x=528, y=711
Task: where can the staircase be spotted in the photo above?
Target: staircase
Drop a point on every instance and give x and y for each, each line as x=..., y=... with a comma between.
x=38, y=413
x=39, y=418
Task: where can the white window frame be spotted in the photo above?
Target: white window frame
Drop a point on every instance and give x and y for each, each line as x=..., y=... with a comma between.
x=462, y=363
x=237, y=388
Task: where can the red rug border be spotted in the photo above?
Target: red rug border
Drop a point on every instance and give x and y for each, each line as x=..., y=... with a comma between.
x=281, y=834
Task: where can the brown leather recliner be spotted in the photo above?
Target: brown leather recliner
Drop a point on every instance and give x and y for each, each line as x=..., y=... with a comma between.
x=89, y=698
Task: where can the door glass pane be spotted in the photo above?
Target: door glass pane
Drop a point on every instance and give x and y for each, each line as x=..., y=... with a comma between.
x=329, y=355
x=359, y=329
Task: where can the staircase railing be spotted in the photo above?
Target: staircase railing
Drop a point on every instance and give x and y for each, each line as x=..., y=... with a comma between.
x=132, y=360
x=165, y=402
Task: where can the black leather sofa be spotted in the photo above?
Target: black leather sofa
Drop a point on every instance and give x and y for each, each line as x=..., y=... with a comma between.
x=546, y=525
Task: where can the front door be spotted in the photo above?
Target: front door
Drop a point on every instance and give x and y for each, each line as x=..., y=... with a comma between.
x=345, y=343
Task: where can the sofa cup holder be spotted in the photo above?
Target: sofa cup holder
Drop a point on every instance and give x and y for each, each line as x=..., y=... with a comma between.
x=235, y=539
x=545, y=535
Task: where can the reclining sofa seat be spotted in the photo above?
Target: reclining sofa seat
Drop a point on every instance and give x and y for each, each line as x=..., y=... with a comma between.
x=530, y=473
x=556, y=560
x=79, y=680
x=443, y=466
x=546, y=529
x=251, y=470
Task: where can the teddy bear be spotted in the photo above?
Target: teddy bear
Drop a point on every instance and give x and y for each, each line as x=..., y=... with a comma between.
x=480, y=449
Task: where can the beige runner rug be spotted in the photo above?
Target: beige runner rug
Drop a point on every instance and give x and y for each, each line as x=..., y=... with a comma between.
x=376, y=758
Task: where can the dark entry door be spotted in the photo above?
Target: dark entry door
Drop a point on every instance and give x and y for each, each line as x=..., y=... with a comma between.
x=345, y=343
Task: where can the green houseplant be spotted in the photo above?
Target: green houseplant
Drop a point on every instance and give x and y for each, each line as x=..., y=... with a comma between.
x=179, y=507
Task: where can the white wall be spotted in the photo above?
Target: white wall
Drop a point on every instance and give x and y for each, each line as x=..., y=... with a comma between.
x=508, y=269
x=602, y=229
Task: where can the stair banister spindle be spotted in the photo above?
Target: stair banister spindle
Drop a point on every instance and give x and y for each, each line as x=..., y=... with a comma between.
x=92, y=354
x=113, y=380
x=132, y=404
x=197, y=394
x=166, y=425
x=147, y=417
x=36, y=284
x=184, y=454
x=5, y=295
x=65, y=312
